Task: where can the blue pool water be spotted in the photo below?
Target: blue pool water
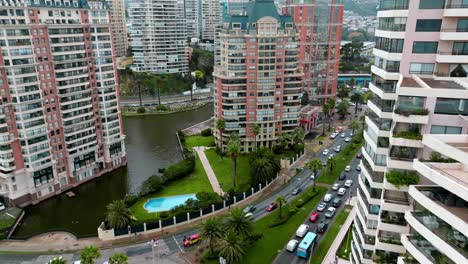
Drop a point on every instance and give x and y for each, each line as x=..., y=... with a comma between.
x=166, y=203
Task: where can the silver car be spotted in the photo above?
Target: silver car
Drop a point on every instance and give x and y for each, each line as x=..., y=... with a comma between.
x=321, y=206
x=335, y=187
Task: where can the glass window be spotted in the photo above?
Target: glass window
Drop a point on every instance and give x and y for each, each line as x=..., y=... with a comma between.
x=451, y=106
x=389, y=45
x=460, y=48
x=428, y=25
x=421, y=68
x=393, y=4
x=445, y=130
x=431, y=4
x=462, y=25
x=425, y=46
x=410, y=102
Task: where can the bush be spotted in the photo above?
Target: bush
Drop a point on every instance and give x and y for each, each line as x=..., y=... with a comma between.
x=151, y=185
x=278, y=149
x=206, y=132
x=206, y=199
x=180, y=169
x=298, y=148
x=181, y=135
x=408, y=135
x=161, y=108
x=141, y=110
x=402, y=178
x=164, y=215
x=408, y=112
x=208, y=256
x=130, y=200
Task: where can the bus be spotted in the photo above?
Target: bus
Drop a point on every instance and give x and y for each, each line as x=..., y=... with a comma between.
x=306, y=245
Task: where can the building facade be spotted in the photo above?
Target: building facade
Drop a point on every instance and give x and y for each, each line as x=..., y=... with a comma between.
x=420, y=91
x=119, y=27
x=60, y=116
x=191, y=18
x=258, y=80
x=158, y=36
x=319, y=23
x=210, y=19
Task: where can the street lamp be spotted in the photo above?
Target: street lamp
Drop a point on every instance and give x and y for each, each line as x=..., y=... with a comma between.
x=153, y=243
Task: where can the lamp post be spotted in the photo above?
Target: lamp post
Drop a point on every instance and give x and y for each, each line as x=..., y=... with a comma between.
x=153, y=243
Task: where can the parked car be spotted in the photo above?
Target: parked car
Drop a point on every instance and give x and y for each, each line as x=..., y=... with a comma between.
x=351, y=134
x=338, y=148
x=314, y=217
x=302, y=230
x=341, y=191
x=348, y=183
x=292, y=245
x=272, y=206
x=192, y=239
x=333, y=135
x=343, y=135
x=331, y=156
x=359, y=155
x=2, y=207
x=348, y=168
x=321, y=227
x=296, y=191
x=330, y=212
x=328, y=197
x=358, y=167
x=321, y=206
x=342, y=177
x=339, y=130
x=249, y=209
x=336, y=186
x=336, y=202
x=325, y=152
x=249, y=216
x=348, y=139
x=312, y=176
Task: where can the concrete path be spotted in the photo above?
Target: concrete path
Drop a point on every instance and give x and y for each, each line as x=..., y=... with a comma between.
x=209, y=171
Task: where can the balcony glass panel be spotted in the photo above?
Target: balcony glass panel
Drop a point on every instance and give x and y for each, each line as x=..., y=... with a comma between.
x=460, y=48
x=403, y=153
x=377, y=176
x=389, y=237
x=385, y=85
x=410, y=102
x=393, y=4
x=429, y=251
x=451, y=106
x=393, y=218
x=373, y=192
x=392, y=23
x=396, y=197
x=389, y=45
x=383, y=105
x=457, y=4
x=386, y=257
x=431, y=4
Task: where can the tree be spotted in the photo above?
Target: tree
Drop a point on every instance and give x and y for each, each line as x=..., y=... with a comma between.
x=212, y=230
x=357, y=99
x=314, y=165
x=220, y=126
x=256, y=131
x=263, y=165
x=231, y=247
x=331, y=163
x=298, y=135
x=192, y=78
x=284, y=140
x=238, y=223
x=305, y=99
x=326, y=112
x=343, y=92
x=118, y=258
x=59, y=260
x=342, y=109
x=280, y=200
x=354, y=125
x=233, y=151
x=352, y=82
x=89, y=254
x=118, y=215
x=159, y=80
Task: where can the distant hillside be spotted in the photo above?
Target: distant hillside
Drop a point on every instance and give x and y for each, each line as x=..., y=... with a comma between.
x=362, y=7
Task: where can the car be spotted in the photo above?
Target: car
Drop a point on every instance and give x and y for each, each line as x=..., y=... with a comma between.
x=333, y=135
x=314, y=217
x=330, y=212
x=324, y=163
x=325, y=152
x=292, y=245
x=348, y=183
x=342, y=177
x=321, y=227
x=351, y=134
x=328, y=197
x=343, y=135
x=272, y=206
x=192, y=239
x=2, y=207
x=302, y=230
x=248, y=216
x=331, y=156
x=358, y=167
x=351, y=103
x=359, y=155
x=339, y=129
x=338, y=148
x=249, y=209
x=348, y=139
x=335, y=187
x=341, y=191
x=312, y=176
x=321, y=206
x=348, y=168
x=336, y=202
x=296, y=191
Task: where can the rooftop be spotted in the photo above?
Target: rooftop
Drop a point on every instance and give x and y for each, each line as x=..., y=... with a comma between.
x=431, y=83
x=410, y=82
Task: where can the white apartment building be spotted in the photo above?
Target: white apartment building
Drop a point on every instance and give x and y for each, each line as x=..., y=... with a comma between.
x=119, y=28
x=191, y=18
x=210, y=19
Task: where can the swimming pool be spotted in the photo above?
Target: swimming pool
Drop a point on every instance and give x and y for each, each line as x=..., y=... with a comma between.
x=166, y=203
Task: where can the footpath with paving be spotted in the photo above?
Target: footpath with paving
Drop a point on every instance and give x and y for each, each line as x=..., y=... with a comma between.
x=209, y=171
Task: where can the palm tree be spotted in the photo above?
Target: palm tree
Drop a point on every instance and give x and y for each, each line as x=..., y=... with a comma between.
x=331, y=163
x=314, y=165
x=220, y=126
x=118, y=258
x=331, y=103
x=284, y=139
x=357, y=99
x=212, y=230
x=342, y=109
x=342, y=92
x=280, y=200
x=263, y=165
x=89, y=254
x=326, y=111
x=298, y=135
x=237, y=222
x=354, y=125
x=160, y=80
x=256, y=131
x=118, y=215
x=231, y=247
x=193, y=77
x=233, y=151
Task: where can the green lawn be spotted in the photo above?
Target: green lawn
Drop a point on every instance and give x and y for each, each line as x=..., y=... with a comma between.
x=222, y=167
x=195, y=182
x=346, y=245
x=6, y=219
x=275, y=239
x=342, y=160
x=197, y=141
x=327, y=240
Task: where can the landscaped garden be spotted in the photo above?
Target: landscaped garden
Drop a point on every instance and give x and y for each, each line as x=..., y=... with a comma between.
x=345, y=247
x=199, y=141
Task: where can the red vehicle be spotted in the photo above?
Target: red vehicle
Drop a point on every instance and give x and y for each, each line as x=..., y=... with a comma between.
x=272, y=207
x=359, y=155
x=192, y=239
x=314, y=217
x=339, y=129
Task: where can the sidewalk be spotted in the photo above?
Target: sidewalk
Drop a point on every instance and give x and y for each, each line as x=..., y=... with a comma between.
x=209, y=171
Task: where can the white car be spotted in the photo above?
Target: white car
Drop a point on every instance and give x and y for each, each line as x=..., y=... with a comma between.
x=358, y=168
x=336, y=186
x=348, y=183
x=351, y=103
x=330, y=212
x=351, y=134
x=338, y=148
x=341, y=191
x=321, y=206
x=333, y=136
x=248, y=216
x=348, y=168
x=331, y=156
x=348, y=139
x=325, y=152
x=292, y=245
x=312, y=176
x=343, y=135
x=2, y=207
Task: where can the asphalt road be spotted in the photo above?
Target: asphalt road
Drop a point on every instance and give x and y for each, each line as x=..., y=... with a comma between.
x=167, y=99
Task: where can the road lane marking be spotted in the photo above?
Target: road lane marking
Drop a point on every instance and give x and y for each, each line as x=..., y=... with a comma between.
x=177, y=243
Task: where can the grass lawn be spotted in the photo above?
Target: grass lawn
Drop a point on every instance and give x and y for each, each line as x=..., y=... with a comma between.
x=275, y=239
x=342, y=160
x=327, y=240
x=346, y=244
x=195, y=182
x=8, y=217
x=222, y=167
x=197, y=141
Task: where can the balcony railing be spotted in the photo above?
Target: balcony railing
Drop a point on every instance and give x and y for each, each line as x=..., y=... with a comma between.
x=412, y=135
x=428, y=250
x=408, y=112
x=456, y=4
x=454, y=52
x=446, y=174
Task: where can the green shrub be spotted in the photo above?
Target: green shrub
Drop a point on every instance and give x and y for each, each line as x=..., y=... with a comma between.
x=408, y=135
x=141, y=110
x=408, y=112
x=206, y=132
x=180, y=169
x=130, y=200
x=207, y=255
x=161, y=108
x=151, y=185
x=181, y=135
x=402, y=178
x=206, y=199
x=278, y=149
x=298, y=148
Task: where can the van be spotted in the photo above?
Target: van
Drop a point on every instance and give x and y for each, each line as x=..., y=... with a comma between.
x=302, y=230
x=328, y=197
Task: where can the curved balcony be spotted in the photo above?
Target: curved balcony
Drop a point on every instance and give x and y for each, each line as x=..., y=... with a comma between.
x=415, y=116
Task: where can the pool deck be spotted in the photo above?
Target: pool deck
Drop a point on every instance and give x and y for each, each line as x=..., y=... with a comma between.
x=209, y=171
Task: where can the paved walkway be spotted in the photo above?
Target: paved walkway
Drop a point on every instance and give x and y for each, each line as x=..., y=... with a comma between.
x=209, y=171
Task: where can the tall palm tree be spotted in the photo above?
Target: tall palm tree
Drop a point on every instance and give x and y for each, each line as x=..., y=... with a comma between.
x=280, y=200
x=160, y=80
x=220, y=126
x=118, y=215
x=357, y=99
x=354, y=125
x=331, y=163
x=237, y=222
x=298, y=135
x=233, y=150
x=256, y=131
x=89, y=255
x=118, y=258
x=314, y=165
x=332, y=104
x=284, y=139
x=326, y=111
x=231, y=247
x=342, y=109
x=212, y=230
x=263, y=165
x=342, y=92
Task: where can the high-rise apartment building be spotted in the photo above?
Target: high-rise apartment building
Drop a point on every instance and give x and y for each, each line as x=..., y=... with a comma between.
x=191, y=18
x=59, y=112
x=119, y=27
x=258, y=80
x=210, y=19
x=420, y=92
x=319, y=23
x=158, y=36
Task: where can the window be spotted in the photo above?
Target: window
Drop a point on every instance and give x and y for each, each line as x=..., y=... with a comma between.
x=421, y=68
x=460, y=48
x=431, y=4
x=428, y=25
x=451, y=106
x=425, y=47
x=445, y=130
x=389, y=45
x=393, y=4
x=462, y=25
